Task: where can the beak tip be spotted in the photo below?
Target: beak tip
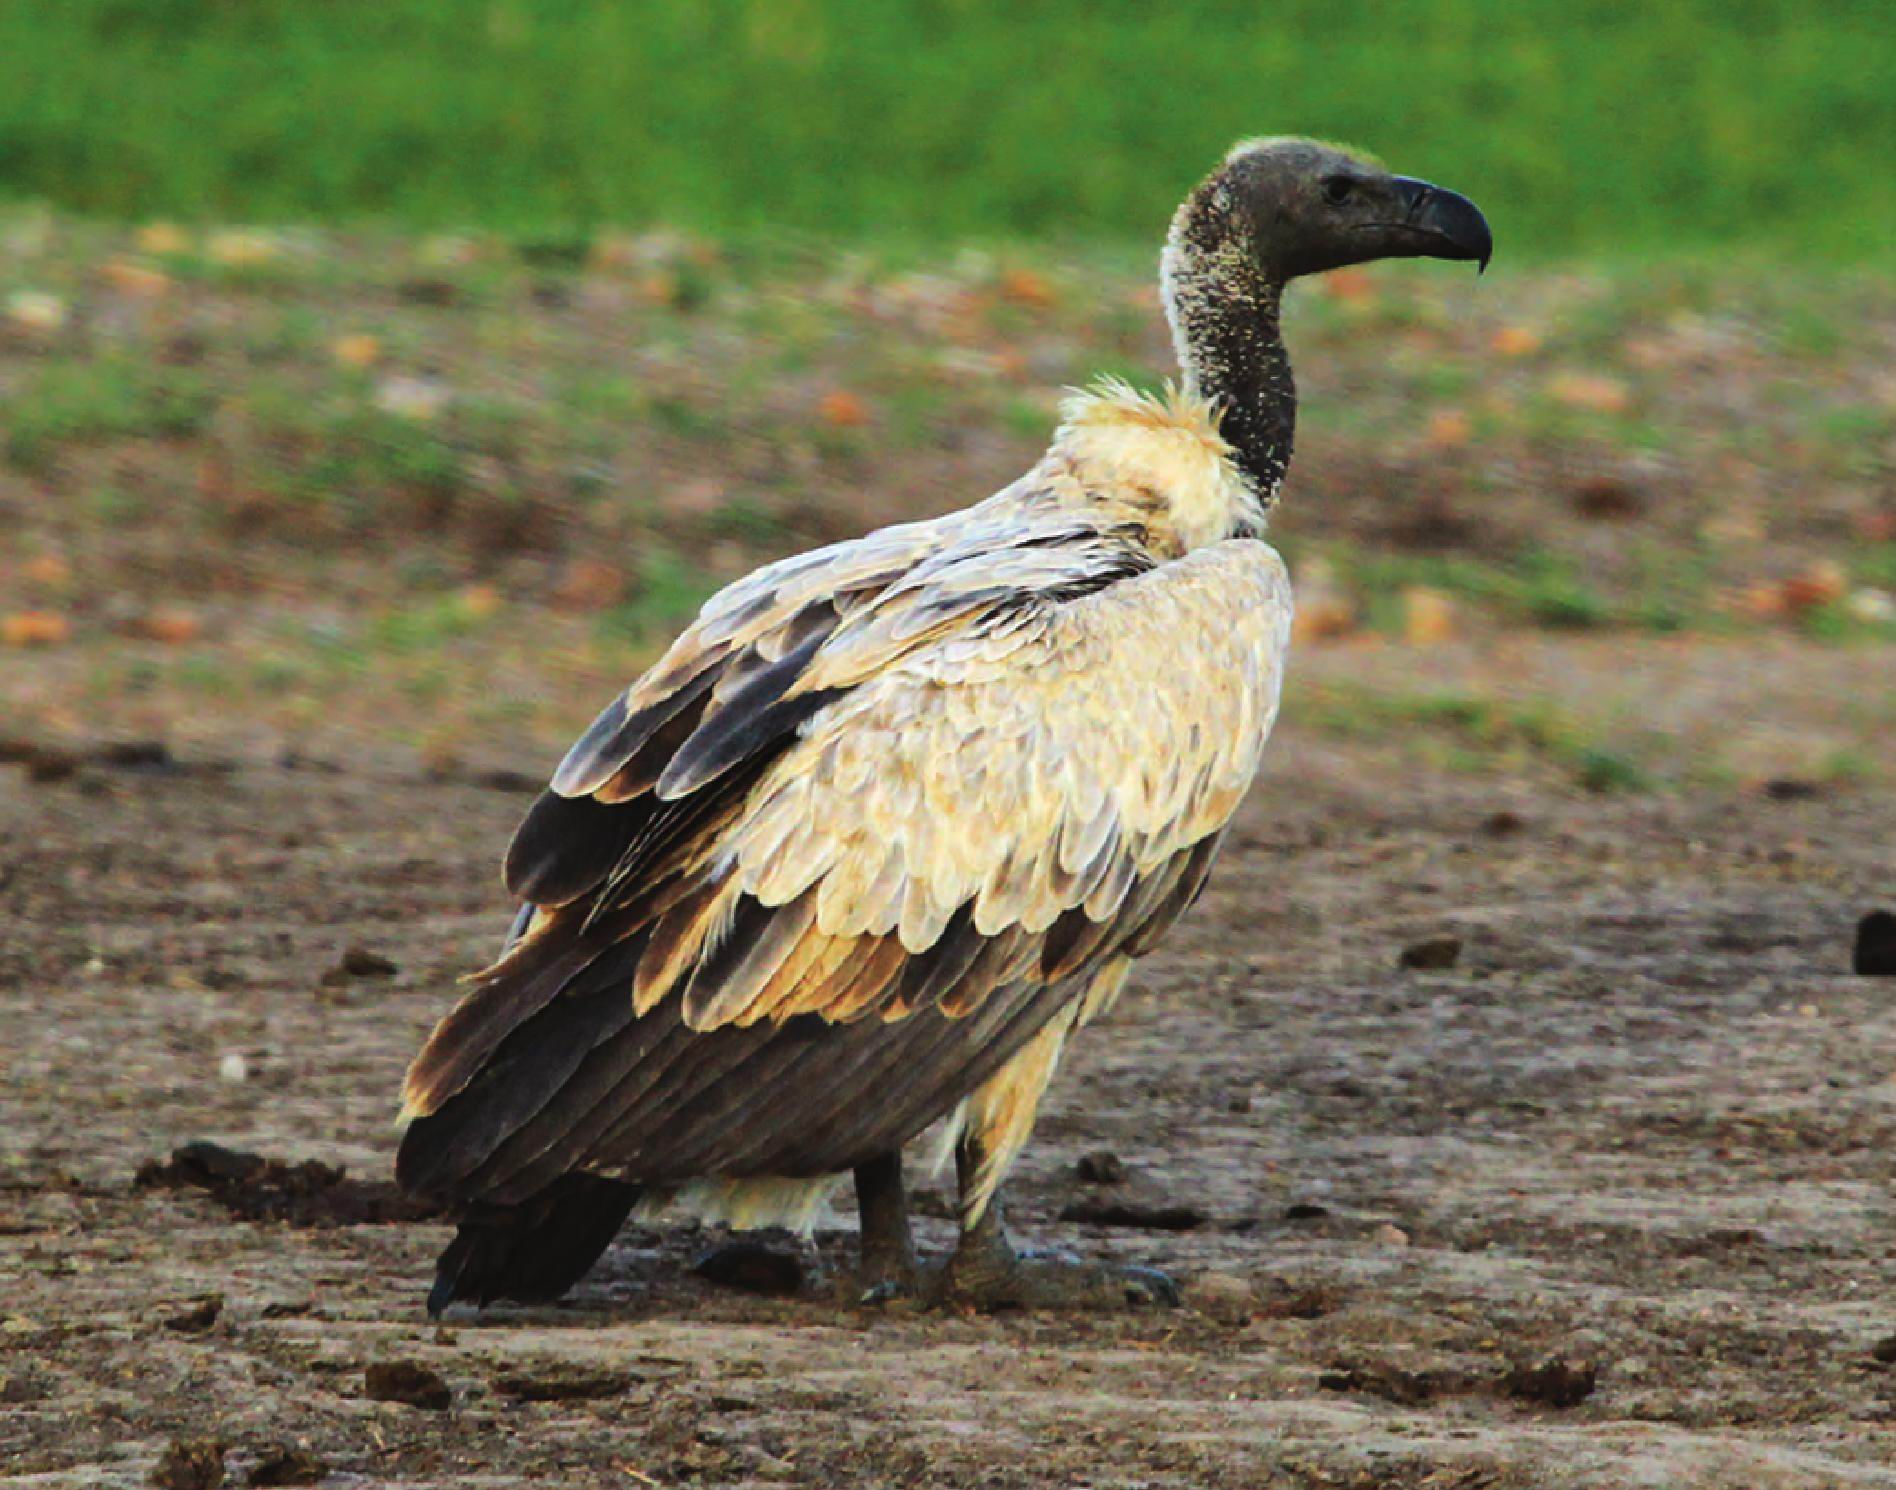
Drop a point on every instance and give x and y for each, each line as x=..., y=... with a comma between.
x=1454, y=225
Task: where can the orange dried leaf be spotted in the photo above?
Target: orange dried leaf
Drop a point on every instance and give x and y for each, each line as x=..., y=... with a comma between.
x=1449, y=428
x=1824, y=583
x=658, y=288
x=1877, y=527
x=49, y=570
x=1025, y=287
x=1593, y=392
x=480, y=601
x=843, y=409
x=589, y=584
x=358, y=349
x=130, y=277
x=1428, y=616
x=1321, y=616
x=1516, y=341
x=1762, y=602
x=34, y=628
x=170, y=626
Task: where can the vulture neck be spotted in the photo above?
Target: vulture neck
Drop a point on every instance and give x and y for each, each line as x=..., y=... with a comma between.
x=1223, y=309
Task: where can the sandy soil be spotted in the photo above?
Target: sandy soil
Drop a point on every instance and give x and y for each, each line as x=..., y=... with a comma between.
x=1606, y=1203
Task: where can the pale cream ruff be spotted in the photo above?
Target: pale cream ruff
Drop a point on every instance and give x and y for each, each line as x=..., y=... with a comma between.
x=1158, y=453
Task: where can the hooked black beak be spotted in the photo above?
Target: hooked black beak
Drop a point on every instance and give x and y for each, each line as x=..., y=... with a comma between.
x=1444, y=224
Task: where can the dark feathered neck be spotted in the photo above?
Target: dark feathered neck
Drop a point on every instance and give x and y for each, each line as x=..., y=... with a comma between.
x=1223, y=308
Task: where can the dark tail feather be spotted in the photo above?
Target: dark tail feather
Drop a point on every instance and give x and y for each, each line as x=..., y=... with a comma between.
x=533, y=1251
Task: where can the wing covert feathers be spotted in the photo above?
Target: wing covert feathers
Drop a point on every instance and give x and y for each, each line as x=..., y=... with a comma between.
x=879, y=815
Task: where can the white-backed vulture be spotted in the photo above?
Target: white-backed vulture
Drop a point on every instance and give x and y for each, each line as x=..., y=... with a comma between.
x=891, y=820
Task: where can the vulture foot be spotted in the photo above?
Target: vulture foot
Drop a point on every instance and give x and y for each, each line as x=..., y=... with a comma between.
x=987, y=1273
x=1050, y=1283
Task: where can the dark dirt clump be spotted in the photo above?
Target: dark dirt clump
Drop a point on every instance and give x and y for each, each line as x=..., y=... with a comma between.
x=254, y=1188
x=190, y=1464
x=283, y=1464
x=406, y=1382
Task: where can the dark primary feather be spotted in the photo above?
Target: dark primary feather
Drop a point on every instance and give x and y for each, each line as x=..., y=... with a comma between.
x=652, y=1100
x=580, y=1083
x=534, y=1251
x=566, y=846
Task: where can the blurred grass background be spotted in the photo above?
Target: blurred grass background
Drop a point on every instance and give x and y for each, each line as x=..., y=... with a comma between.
x=411, y=371
x=1603, y=127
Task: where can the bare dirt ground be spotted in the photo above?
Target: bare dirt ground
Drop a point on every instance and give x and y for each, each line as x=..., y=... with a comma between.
x=1606, y=1203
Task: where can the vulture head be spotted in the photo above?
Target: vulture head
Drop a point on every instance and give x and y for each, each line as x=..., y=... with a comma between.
x=1273, y=210
x=1296, y=206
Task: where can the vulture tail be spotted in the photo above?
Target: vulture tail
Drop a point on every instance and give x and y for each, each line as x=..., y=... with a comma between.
x=535, y=1250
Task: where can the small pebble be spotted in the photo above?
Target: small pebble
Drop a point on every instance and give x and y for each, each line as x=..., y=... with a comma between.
x=1390, y=1235
x=232, y=1067
x=284, y=1464
x=406, y=1382
x=1432, y=953
x=1884, y=1350
x=751, y=1267
x=198, y=1318
x=1129, y=1214
x=1553, y=1382
x=1225, y=1297
x=190, y=1464
x=27, y=1385
x=1875, y=954
x=360, y=962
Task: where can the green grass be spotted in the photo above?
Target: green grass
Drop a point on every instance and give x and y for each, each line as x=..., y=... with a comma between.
x=1539, y=587
x=80, y=402
x=669, y=593
x=1599, y=127
x=1469, y=732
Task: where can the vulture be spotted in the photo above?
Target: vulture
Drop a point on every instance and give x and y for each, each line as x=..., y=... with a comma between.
x=890, y=821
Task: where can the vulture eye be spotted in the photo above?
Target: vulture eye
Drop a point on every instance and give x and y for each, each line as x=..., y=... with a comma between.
x=1337, y=189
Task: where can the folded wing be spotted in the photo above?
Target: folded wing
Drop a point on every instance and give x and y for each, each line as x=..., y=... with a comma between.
x=851, y=844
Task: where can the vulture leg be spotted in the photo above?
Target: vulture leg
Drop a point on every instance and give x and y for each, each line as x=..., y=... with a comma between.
x=987, y=1272
x=985, y=1269
x=888, y=1254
